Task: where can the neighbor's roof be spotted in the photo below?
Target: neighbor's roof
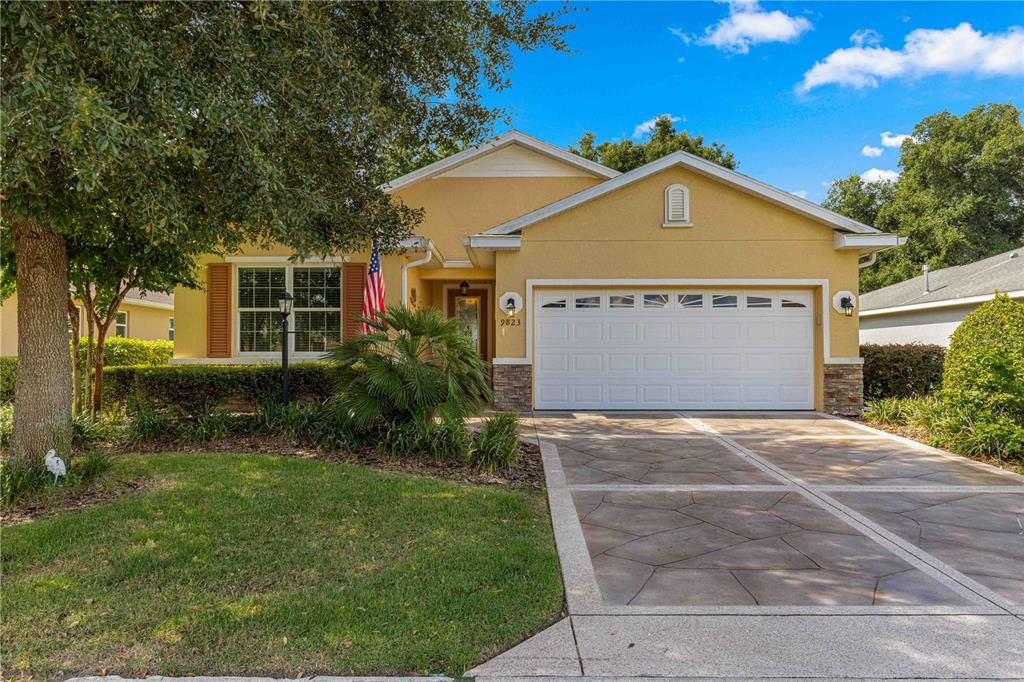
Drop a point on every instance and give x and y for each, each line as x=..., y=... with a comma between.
x=154, y=297
x=950, y=286
x=699, y=165
x=503, y=140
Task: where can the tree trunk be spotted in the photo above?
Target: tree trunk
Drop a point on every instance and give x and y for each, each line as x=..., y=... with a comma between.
x=87, y=300
x=42, y=391
x=76, y=360
x=97, y=380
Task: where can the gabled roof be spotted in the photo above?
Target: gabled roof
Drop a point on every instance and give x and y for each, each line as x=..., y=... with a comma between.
x=703, y=166
x=950, y=286
x=503, y=140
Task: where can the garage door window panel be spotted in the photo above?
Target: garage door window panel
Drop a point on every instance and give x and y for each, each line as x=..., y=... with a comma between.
x=724, y=301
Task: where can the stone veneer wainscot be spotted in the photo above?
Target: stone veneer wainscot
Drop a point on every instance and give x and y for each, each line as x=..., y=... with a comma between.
x=844, y=389
x=513, y=388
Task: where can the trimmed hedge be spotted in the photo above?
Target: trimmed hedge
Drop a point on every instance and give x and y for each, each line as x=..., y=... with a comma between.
x=196, y=389
x=8, y=371
x=119, y=352
x=901, y=370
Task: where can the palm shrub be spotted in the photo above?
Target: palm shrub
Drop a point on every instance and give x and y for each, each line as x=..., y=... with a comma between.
x=412, y=366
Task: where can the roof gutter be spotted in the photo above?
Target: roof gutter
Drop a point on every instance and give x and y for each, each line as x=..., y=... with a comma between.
x=414, y=243
x=866, y=243
x=947, y=303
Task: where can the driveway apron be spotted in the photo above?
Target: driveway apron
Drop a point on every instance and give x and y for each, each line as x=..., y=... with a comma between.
x=773, y=545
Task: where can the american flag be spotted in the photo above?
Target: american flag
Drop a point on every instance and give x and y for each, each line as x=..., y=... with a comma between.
x=373, y=293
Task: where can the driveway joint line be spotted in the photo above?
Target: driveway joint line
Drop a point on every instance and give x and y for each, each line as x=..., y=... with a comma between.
x=912, y=554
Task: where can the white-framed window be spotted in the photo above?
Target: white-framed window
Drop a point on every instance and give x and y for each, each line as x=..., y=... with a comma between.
x=315, y=322
x=587, y=301
x=758, y=301
x=691, y=301
x=170, y=329
x=655, y=301
x=121, y=324
x=677, y=206
x=724, y=301
x=795, y=299
x=553, y=301
x=622, y=301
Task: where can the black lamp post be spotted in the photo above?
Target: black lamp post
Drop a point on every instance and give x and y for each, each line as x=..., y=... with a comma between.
x=284, y=306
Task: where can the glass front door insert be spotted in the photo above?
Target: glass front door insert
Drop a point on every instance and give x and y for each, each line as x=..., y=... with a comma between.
x=467, y=312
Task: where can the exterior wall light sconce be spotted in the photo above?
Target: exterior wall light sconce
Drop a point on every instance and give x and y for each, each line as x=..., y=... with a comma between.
x=510, y=303
x=464, y=287
x=844, y=302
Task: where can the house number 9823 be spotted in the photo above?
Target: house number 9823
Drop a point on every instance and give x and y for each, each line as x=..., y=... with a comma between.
x=513, y=322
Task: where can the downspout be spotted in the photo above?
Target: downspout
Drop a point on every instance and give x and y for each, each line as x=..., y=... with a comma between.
x=405, y=274
x=872, y=257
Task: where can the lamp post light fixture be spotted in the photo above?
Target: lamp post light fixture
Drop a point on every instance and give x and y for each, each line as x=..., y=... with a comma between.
x=284, y=307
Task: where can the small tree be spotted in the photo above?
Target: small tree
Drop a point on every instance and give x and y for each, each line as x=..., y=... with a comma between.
x=625, y=155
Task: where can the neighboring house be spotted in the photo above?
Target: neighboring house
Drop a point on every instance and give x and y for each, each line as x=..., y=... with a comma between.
x=929, y=308
x=149, y=317
x=678, y=285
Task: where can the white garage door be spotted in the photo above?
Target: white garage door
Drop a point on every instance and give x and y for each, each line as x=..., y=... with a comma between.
x=651, y=349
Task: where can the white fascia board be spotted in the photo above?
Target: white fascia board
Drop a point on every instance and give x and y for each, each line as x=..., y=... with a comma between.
x=699, y=165
x=948, y=303
x=143, y=303
x=285, y=260
x=503, y=140
x=492, y=242
x=866, y=243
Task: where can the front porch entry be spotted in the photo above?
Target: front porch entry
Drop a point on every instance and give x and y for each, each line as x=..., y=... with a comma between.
x=471, y=306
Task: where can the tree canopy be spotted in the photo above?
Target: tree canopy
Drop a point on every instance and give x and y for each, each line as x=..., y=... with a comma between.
x=625, y=155
x=208, y=125
x=959, y=198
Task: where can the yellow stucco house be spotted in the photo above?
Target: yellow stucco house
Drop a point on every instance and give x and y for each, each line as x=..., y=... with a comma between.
x=149, y=317
x=678, y=285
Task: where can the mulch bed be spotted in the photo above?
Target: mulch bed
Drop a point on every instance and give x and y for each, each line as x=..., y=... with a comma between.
x=71, y=499
x=921, y=436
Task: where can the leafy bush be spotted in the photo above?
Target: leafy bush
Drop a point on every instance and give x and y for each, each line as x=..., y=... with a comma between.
x=413, y=366
x=984, y=369
x=8, y=371
x=120, y=352
x=496, y=445
x=205, y=427
x=198, y=389
x=6, y=424
x=444, y=440
x=901, y=370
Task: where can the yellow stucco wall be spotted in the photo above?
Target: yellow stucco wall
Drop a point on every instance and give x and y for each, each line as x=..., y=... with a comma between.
x=144, y=322
x=734, y=236
x=458, y=207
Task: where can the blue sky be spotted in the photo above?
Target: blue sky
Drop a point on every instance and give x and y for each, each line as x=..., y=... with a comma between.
x=736, y=73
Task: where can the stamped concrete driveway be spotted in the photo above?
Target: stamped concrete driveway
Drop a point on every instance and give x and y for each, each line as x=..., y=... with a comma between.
x=780, y=545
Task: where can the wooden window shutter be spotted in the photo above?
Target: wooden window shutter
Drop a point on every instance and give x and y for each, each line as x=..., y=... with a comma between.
x=218, y=310
x=353, y=280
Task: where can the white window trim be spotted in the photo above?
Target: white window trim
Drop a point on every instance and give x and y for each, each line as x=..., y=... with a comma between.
x=170, y=328
x=289, y=269
x=685, y=222
x=127, y=328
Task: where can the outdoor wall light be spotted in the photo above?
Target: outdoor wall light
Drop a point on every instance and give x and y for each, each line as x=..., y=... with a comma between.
x=844, y=302
x=464, y=287
x=510, y=303
x=510, y=307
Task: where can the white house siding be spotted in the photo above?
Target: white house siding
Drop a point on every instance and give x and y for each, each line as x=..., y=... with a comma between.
x=915, y=326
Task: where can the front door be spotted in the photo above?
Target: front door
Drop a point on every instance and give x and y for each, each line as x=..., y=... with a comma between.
x=471, y=310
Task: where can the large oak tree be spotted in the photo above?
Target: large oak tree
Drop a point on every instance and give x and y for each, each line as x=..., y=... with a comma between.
x=214, y=124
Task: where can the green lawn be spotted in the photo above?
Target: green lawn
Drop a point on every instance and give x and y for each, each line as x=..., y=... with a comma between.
x=259, y=565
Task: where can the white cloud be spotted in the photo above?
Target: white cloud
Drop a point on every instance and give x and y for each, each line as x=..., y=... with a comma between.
x=802, y=193
x=867, y=36
x=891, y=140
x=647, y=126
x=681, y=34
x=868, y=150
x=960, y=50
x=879, y=175
x=748, y=24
